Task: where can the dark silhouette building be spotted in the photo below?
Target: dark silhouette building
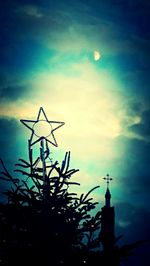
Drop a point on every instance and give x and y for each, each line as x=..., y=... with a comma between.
x=108, y=224
x=107, y=234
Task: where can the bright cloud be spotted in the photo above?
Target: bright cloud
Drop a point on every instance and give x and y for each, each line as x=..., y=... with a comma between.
x=88, y=102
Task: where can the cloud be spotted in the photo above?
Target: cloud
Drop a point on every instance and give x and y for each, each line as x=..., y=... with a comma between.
x=11, y=143
x=134, y=116
x=30, y=10
x=133, y=221
x=68, y=28
x=133, y=165
x=14, y=88
x=13, y=93
x=142, y=129
x=9, y=132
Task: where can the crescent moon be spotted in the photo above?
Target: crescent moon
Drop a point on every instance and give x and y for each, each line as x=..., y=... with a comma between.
x=97, y=55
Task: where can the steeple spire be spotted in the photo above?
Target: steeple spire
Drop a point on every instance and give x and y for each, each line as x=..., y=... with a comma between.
x=107, y=194
x=108, y=223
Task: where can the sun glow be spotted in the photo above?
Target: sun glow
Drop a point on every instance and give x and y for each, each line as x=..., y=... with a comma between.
x=42, y=128
x=87, y=102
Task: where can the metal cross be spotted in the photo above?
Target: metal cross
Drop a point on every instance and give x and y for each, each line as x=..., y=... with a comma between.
x=108, y=179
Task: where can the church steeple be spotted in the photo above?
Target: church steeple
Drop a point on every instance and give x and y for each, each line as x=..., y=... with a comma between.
x=107, y=194
x=108, y=221
x=107, y=198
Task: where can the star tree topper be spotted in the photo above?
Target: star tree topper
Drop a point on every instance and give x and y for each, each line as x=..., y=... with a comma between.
x=42, y=128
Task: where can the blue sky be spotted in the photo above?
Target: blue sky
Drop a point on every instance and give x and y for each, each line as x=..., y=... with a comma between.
x=47, y=59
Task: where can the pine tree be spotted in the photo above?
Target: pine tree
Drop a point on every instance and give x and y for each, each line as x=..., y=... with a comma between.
x=42, y=222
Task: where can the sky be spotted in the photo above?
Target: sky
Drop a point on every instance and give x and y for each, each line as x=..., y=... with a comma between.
x=48, y=58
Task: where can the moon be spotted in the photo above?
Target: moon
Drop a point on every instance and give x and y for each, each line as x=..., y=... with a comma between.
x=97, y=55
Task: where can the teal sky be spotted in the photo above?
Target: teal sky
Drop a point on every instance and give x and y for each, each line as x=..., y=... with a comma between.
x=87, y=64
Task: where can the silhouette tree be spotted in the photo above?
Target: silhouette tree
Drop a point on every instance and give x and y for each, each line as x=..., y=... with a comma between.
x=42, y=222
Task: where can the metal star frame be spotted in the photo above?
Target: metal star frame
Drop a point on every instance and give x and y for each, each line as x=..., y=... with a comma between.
x=32, y=124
